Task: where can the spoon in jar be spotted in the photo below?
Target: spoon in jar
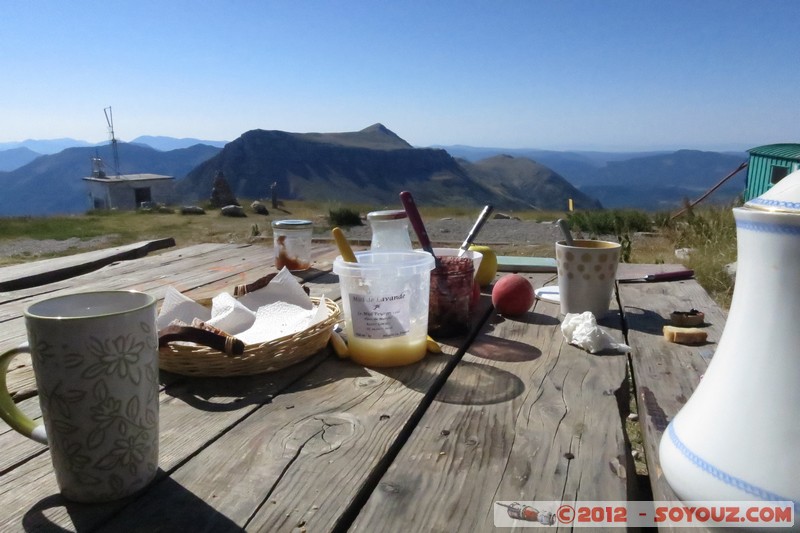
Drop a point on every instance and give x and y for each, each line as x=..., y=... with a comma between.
x=475, y=229
x=416, y=222
x=562, y=224
x=343, y=245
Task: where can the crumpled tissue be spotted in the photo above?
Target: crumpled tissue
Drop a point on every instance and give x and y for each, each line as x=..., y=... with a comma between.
x=581, y=329
x=281, y=308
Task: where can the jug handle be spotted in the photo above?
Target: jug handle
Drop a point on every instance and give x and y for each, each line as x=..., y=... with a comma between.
x=9, y=410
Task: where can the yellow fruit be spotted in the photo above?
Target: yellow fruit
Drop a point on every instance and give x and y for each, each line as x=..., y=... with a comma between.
x=488, y=269
x=433, y=346
x=339, y=346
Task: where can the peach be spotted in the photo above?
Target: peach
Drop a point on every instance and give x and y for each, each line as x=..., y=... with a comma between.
x=512, y=295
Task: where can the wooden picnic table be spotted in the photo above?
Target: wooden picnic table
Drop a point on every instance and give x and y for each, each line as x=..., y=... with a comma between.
x=509, y=412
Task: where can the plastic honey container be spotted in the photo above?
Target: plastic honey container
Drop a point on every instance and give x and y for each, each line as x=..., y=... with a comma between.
x=385, y=301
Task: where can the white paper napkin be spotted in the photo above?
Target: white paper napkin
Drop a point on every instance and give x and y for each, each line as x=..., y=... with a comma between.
x=229, y=315
x=282, y=288
x=281, y=308
x=282, y=318
x=581, y=329
x=176, y=306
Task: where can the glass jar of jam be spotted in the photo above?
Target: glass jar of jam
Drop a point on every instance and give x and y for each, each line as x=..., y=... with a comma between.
x=292, y=244
x=449, y=310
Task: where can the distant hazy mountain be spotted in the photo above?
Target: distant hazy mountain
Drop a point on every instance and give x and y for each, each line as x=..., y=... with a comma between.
x=53, y=184
x=370, y=166
x=663, y=181
x=16, y=157
x=45, y=146
x=643, y=180
x=171, y=143
x=53, y=146
x=538, y=185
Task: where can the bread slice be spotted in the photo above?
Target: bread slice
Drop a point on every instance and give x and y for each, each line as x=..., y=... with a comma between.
x=685, y=335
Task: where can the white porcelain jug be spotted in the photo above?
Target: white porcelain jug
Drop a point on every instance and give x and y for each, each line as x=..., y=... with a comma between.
x=737, y=436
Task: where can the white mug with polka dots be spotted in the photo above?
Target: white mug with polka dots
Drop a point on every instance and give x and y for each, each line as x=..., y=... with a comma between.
x=586, y=274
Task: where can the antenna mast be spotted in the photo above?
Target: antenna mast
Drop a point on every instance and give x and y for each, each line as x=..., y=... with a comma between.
x=110, y=122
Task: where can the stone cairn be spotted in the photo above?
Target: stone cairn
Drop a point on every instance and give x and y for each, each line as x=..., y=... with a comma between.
x=221, y=193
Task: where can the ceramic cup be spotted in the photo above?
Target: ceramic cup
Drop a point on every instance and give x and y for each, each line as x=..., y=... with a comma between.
x=95, y=357
x=586, y=274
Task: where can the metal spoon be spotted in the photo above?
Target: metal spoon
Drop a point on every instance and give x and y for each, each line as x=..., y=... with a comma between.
x=475, y=229
x=562, y=224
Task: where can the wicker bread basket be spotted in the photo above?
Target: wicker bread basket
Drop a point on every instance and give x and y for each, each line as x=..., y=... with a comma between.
x=191, y=359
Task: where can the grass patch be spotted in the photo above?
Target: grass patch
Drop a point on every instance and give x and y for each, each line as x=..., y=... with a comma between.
x=709, y=231
x=710, y=235
x=610, y=222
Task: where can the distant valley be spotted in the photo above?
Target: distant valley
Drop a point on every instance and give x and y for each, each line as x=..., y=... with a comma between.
x=369, y=166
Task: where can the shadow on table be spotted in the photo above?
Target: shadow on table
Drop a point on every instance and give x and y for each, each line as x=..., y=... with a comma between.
x=479, y=384
x=232, y=393
x=164, y=506
x=645, y=321
x=468, y=383
x=499, y=349
x=492, y=348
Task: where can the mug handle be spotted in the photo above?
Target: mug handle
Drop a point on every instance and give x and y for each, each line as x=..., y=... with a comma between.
x=8, y=409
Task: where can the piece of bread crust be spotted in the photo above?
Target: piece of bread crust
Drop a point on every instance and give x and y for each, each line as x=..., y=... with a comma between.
x=685, y=335
x=687, y=318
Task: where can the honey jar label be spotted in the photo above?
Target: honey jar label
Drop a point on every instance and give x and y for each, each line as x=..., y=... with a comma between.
x=380, y=316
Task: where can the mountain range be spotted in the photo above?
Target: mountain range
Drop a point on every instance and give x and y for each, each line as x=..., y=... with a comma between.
x=16, y=154
x=52, y=184
x=373, y=166
x=370, y=166
x=651, y=181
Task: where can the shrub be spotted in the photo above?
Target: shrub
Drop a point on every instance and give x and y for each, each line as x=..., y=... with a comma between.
x=344, y=217
x=610, y=222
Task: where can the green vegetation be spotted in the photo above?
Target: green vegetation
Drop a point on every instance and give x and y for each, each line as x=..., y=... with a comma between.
x=709, y=232
x=344, y=217
x=610, y=222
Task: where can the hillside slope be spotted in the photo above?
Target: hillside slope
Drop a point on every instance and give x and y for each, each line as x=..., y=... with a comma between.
x=537, y=185
x=370, y=166
x=53, y=184
x=663, y=181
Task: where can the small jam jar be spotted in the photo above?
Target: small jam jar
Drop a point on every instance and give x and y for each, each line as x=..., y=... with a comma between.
x=292, y=244
x=389, y=231
x=451, y=291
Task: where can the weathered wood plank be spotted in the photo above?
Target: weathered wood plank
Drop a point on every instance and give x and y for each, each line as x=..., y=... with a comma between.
x=301, y=459
x=46, y=271
x=665, y=374
x=201, y=271
x=193, y=413
x=524, y=416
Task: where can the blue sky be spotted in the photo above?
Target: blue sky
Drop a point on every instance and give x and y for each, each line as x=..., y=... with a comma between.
x=555, y=74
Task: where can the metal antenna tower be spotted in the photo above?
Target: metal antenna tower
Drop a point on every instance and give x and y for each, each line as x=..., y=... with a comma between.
x=115, y=151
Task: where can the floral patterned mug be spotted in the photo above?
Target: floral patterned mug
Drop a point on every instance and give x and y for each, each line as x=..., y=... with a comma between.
x=95, y=356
